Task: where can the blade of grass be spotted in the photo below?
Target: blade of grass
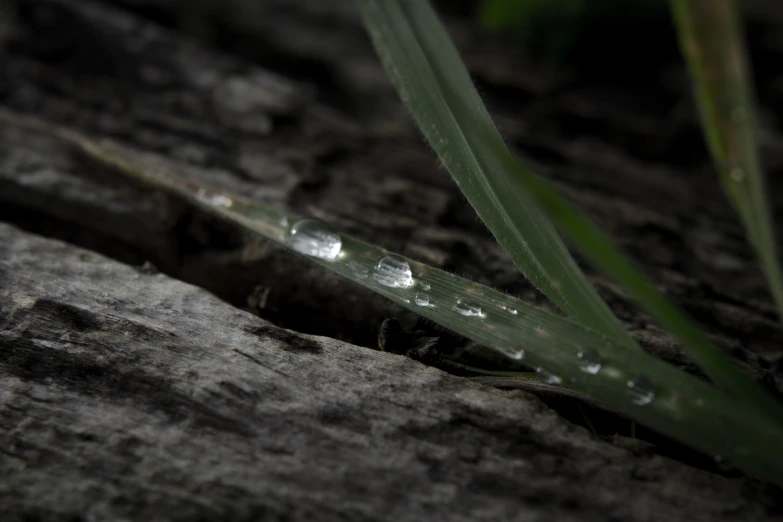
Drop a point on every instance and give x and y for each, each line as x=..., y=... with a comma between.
x=629, y=381
x=712, y=41
x=432, y=81
x=601, y=251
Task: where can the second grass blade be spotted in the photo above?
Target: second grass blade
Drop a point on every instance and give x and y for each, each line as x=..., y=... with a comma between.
x=433, y=82
x=712, y=42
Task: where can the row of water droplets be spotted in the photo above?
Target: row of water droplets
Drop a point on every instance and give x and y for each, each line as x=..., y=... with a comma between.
x=316, y=238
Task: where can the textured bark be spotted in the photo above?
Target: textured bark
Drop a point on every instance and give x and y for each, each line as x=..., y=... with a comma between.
x=133, y=395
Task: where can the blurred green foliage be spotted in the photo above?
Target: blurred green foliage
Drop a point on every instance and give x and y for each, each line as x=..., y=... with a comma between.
x=574, y=29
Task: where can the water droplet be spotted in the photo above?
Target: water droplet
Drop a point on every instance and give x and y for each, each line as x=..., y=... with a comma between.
x=589, y=361
x=468, y=308
x=424, y=285
x=211, y=198
x=737, y=174
x=549, y=378
x=422, y=299
x=641, y=390
x=513, y=311
x=541, y=332
x=393, y=271
x=503, y=307
x=511, y=352
x=283, y=222
x=315, y=238
x=406, y=300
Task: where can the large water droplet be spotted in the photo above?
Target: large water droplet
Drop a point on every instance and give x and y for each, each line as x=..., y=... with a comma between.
x=468, y=308
x=641, y=390
x=422, y=299
x=315, y=238
x=393, y=271
x=549, y=378
x=589, y=361
x=511, y=352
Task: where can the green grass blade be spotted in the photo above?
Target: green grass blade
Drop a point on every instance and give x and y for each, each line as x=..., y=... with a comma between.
x=712, y=41
x=600, y=250
x=434, y=83
x=432, y=80
x=562, y=350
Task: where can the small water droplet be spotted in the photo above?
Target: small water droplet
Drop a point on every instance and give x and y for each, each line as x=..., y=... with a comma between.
x=422, y=299
x=511, y=352
x=359, y=271
x=424, y=285
x=737, y=174
x=513, y=311
x=549, y=378
x=589, y=361
x=406, y=300
x=315, y=238
x=641, y=390
x=541, y=332
x=468, y=308
x=211, y=198
x=393, y=271
x=283, y=222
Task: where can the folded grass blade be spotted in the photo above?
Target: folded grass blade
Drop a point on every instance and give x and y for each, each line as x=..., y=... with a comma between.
x=712, y=41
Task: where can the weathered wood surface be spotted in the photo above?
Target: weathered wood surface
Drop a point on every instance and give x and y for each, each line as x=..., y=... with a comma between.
x=171, y=422
x=129, y=396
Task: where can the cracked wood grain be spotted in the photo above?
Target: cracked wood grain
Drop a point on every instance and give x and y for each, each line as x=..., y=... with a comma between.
x=128, y=396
